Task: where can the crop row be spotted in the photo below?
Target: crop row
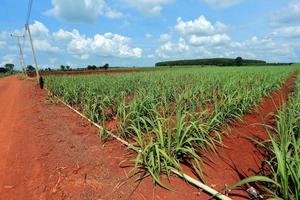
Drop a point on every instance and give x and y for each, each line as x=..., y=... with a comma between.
x=169, y=115
x=282, y=179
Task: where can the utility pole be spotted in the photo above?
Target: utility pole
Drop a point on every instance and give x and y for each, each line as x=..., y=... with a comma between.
x=33, y=52
x=22, y=60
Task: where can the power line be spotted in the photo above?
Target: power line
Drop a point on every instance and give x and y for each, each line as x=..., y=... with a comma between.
x=27, y=28
x=29, y=11
x=21, y=56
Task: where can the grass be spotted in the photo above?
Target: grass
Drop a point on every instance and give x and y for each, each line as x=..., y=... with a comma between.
x=4, y=74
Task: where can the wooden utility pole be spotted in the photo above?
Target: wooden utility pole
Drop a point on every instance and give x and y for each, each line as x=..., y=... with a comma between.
x=33, y=52
x=22, y=60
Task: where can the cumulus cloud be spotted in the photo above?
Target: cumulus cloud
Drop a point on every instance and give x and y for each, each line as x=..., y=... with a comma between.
x=66, y=35
x=222, y=4
x=73, y=43
x=200, y=38
x=81, y=10
x=39, y=30
x=170, y=49
x=287, y=15
x=108, y=44
x=113, y=14
x=289, y=31
x=209, y=40
x=41, y=38
x=150, y=7
x=198, y=26
x=164, y=37
x=9, y=58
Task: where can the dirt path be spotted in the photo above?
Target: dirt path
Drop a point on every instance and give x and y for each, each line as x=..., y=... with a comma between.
x=48, y=152
x=240, y=157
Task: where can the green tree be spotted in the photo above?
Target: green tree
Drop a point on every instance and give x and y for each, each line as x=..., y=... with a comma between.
x=30, y=68
x=9, y=67
x=91, y=67
x=48, y=69
x=238, y=61
x=68, y=68
x=62, y=68
x=106, y=66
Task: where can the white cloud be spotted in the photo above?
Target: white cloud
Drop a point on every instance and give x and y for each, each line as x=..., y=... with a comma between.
x=148, y=35
x=200, y=38
x=253, y=48
x=150, y=7
x=39, y=30
x=9, y=58
x=209, y=40
x=114, y=44
x=42, y=38
x=196, y=36
x=222, y=4
x=108, y=44
x=81, y=10
x=66, y=35
x=113, y=14
x=287, y=15
x=198, y=26
x=164, y=37
x=170, y=49
x=73, y=43
x=2, y=44
x=45, y=46
x=290, y=31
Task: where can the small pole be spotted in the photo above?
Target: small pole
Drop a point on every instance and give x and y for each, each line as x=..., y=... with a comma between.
x=22, y=60
x=33, y=52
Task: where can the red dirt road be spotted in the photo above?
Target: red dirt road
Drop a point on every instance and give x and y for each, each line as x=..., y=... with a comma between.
x=48, y=152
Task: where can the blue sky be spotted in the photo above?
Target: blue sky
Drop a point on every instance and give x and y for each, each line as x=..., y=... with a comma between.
x=142, y=32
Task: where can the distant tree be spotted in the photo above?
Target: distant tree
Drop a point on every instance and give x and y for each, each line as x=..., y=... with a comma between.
x=48, y=69
x=9, y=67
x=62, y=68
x=106, y=66
x=239, y=61
x=3, y=70
x=91, y=67
x=30, y=68
x=68, y=68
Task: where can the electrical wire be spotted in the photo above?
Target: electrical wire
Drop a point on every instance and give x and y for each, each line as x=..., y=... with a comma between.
x=29, y=11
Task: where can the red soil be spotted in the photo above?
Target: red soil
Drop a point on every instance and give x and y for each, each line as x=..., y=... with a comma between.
x=85, y=72
x=49, y=152
x=240, y=157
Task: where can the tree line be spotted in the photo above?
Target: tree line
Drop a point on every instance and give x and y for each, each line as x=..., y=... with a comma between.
x=8, y=68
x=30, y=68
x=239, y=61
